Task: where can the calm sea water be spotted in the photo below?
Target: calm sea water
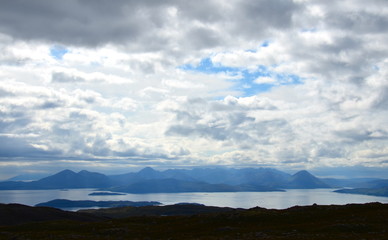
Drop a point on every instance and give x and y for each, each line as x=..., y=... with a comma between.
x=276, y=200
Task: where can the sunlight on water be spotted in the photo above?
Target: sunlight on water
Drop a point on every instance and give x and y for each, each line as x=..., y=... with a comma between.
x=276, y=200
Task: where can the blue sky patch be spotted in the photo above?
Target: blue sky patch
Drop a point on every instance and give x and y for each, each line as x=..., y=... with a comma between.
x=244, y=78
x=262, y=45
x=206, y=66
x=265, y=44
x=58, y=52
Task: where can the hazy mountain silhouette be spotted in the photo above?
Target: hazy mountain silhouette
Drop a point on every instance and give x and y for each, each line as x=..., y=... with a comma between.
x=70, y=179
x=253, y=176
x=149, y=173
x=304, y=179
x=28, y=177
x=186, y=180
x=382, y=192
x=374, y=188
x=63, y=179
x=174, y=186
x=352, y=182
x=381, y=183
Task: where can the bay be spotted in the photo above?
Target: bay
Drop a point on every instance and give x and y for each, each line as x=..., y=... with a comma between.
x=270, y=200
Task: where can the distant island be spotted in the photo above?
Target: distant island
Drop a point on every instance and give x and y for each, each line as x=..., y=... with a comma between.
x=64, y=203
x=105, y=194
x=380, y=192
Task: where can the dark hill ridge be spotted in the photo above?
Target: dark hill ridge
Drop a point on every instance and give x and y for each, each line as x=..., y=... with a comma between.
x=180, y=209
x=64, y=203
x=12, y=214
x=353, y=221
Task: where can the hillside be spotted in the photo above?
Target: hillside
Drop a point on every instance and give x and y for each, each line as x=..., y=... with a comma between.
x=181, y=209
x=354, y=221
x=64, y=203
x=13, y=214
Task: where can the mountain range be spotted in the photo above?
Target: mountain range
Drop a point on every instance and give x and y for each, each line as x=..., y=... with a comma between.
x=61, y=180
x=149, y=180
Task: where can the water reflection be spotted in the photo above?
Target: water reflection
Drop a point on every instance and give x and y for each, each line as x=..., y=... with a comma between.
x=276, y=200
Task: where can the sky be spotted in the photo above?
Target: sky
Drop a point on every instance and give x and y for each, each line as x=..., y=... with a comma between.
x=112, y=86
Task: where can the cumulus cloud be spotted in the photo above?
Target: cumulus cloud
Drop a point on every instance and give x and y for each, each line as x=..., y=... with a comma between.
x=270, y=83
x=61, y=77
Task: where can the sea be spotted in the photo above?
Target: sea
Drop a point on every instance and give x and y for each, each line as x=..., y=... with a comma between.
x=269, y=200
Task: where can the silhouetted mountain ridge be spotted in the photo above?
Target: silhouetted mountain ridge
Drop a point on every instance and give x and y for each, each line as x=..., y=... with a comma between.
x=352, y=221
x=65, y=203
x=170, y=185
x=13, y=214
x=381, y=192
x=304, y=179
x=184, y=180
x=63, y=179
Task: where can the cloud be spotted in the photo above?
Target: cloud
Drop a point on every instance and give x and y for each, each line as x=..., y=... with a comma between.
x=15, y=147
x=229, y=120
x=265, y=80
x=61, y=77
x=72, y=22
x=272, y=83
x=131, y=23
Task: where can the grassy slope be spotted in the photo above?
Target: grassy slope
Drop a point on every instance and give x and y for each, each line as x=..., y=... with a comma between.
x=368, y=221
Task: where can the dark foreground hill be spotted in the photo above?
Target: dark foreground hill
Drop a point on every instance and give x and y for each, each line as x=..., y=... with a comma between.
x=12, y=214
x=65, y=203
x=354, y=221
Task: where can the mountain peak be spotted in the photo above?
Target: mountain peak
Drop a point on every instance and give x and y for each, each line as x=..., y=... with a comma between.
x=304, y=179
x=65, y=172
x=149, y=173
x=303, y=173
x=147, y=170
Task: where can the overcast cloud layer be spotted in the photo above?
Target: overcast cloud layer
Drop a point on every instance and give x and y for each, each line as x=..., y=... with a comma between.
x=109, y=85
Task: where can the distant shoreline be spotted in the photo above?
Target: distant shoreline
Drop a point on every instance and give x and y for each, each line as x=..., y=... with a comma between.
x=65, y=203
x=105, y=194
